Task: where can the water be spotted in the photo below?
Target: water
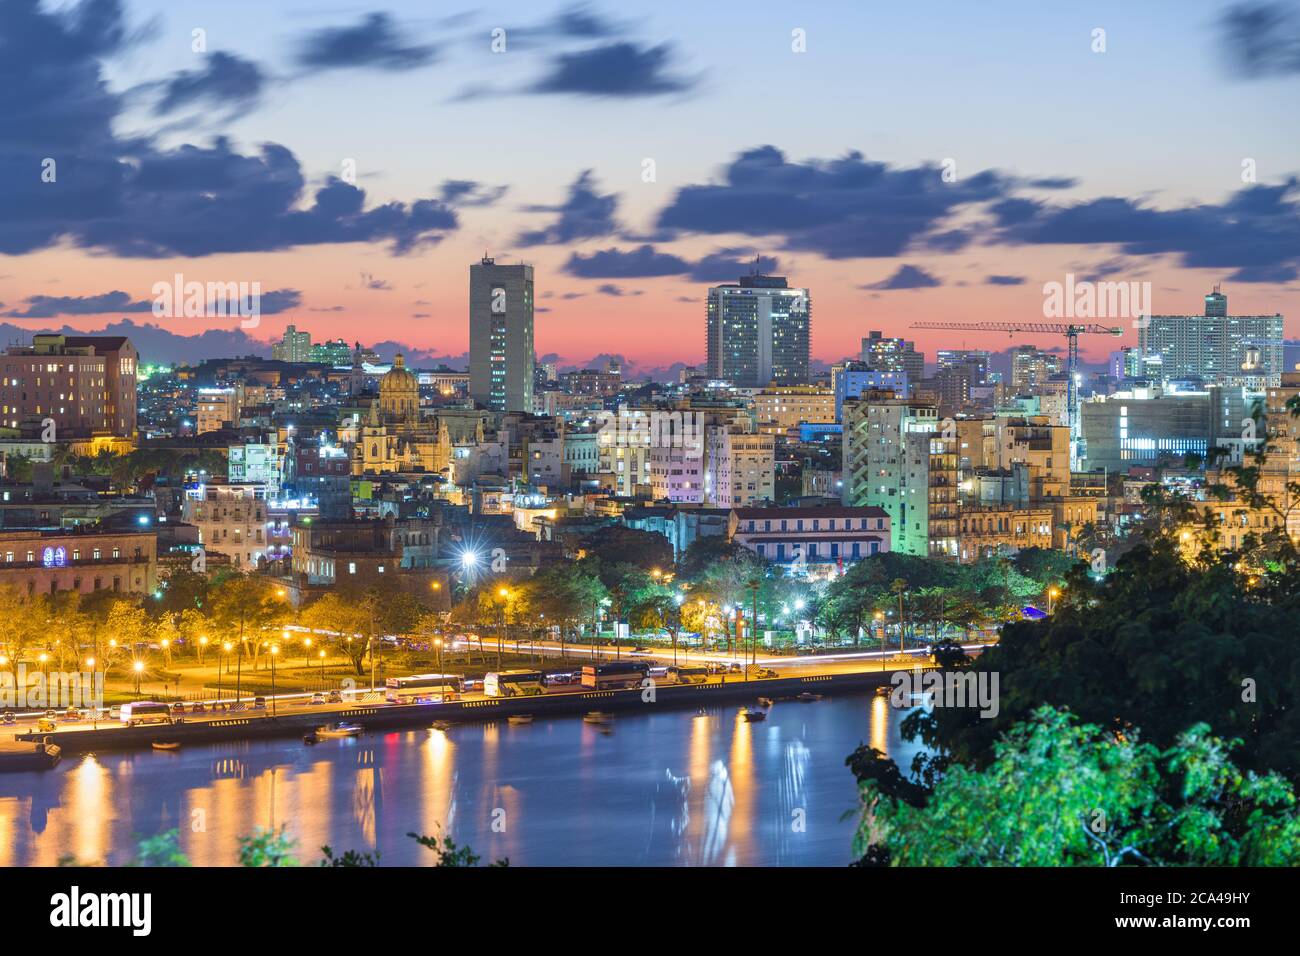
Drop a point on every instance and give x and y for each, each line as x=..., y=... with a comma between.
x=665, y=789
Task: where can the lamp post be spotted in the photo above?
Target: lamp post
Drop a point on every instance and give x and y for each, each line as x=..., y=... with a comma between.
x=138, y=667
x=203, y=644
x=275, y=652
x=1052, y=594
x=226, y=647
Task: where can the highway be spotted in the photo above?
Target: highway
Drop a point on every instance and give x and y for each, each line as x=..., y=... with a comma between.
x=300, y=703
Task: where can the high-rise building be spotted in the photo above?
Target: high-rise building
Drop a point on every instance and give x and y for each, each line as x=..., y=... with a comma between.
x=976, y=359
x=501, y=358
x=335, y=352
x=758, y=332
x=886, y=354
x=85, y=384
x=896, y=458
x=1216, y=348
x=294, y=347
x=1031, y=367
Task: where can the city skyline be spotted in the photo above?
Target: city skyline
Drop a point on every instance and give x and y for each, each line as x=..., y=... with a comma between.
x=886, y=220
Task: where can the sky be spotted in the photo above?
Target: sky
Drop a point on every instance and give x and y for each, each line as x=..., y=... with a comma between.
x=904, y=162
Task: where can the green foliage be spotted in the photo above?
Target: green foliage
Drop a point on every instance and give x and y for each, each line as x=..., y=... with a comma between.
x=267, y=847
x=449, y=853
x=161, y=850
x=1157, y=644
x=1057, y=793
x=348, y=858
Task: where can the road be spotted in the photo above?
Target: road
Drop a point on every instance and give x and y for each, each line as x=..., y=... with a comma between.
x=299, y=703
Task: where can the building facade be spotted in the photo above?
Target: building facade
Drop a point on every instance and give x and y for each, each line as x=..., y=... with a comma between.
x=501, y=358
x=85, y=385
x=758, y=332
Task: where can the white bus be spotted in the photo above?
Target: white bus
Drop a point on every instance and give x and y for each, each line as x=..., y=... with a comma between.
x=517, y=683
x=145, y=712
x=424, y=687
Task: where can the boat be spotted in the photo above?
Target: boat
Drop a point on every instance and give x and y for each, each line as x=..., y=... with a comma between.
x=765, y=702
x=41, y=756
x=166, y=745
x=597, y=717
x=443, y=725
x=753, y=716
x=808, y=697
x=340, y=729
x=520, y=719
x=701, y=713
x=310, y=739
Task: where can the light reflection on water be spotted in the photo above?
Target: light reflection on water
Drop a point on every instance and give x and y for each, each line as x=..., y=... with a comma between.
x=669, y=788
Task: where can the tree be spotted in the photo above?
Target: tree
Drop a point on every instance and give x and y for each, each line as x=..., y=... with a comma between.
x=618, y=544
x=1159, y=644
x=245, y=605
x=1062, y=794
x=344, y=618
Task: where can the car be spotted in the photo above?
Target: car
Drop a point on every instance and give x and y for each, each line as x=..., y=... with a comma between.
x=199, y=708
x=734, y=668
x=639, y=650
x=764, y=673
x=317, y=699
x=259, y=703
x=177, y=709
x=717, y=668
x=72, y=714
x=8, y=717
x=335, y=697
x=46, y=724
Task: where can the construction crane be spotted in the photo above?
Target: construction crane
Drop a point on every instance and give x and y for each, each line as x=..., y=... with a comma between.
x=1071, y=333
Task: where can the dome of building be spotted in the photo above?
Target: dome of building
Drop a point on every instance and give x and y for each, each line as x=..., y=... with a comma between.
x=399, y=392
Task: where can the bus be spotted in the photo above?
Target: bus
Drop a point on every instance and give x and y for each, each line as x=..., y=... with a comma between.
x=418, y=687
x=688, y=673
x=145, y=712
x=518, y=683
x=613, y=675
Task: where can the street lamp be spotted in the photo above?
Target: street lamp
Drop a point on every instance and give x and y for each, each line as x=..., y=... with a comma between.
x=275, y=651
x=1052, y=594
x=203, y=645
x=138, y=667
x=226, y=647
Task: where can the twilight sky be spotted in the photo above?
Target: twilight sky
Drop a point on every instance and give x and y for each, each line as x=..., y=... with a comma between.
x=235, y=163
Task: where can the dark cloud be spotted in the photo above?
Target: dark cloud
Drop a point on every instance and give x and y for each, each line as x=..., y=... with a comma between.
x=609, y=288
x=1004, y=280
x=624, y=69
x=1255, y=232
x=1261, y=39
x=906, y=277
x=1052, y=182
x=841, y=208
x=369, y=281
x=374, y=42
x=466, y=192
x=727, y=265
x=130, y=197
x=646, y=262
x=279, y=300
x=641, y=262
x=48, y=306
x=224, y=80
x=584, y=214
